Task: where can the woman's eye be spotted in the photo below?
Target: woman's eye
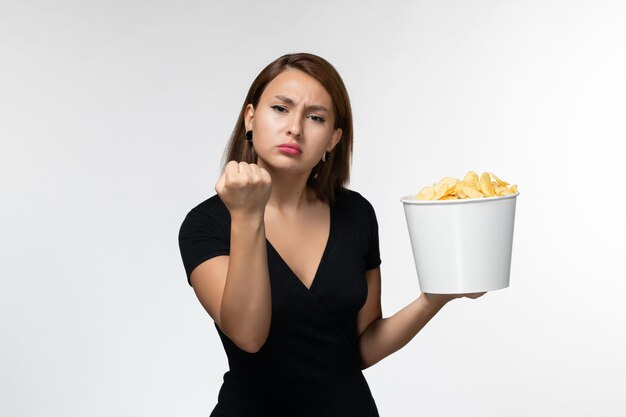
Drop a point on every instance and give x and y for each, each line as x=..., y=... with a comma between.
x=282, y=109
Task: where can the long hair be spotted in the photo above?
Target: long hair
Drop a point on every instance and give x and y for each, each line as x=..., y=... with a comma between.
x=326, y=177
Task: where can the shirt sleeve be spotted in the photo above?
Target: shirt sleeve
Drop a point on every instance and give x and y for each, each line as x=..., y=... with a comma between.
x=372, y=259
x=202, y=236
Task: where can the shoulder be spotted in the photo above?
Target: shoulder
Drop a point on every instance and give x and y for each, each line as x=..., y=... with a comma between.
x=357, y=220
x=204, y=233
x=212, y=206
x=210, y=212
x=353, y=200
x=354, y=205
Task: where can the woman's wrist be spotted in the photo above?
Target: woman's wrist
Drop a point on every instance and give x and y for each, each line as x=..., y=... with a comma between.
x=247, y=220
x=247, y=227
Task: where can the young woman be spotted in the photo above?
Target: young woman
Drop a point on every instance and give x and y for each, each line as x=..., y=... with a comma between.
x=285, y=260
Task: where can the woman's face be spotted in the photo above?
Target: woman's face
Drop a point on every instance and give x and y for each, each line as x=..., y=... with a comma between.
x=293, y=123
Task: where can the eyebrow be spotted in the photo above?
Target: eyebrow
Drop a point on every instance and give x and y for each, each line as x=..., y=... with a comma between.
x=311, y=107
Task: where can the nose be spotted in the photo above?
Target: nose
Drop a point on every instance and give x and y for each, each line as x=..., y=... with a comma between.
x=295, y=126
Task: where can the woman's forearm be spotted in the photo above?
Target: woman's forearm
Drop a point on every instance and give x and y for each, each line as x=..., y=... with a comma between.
x=385, y=336
x=246, y=309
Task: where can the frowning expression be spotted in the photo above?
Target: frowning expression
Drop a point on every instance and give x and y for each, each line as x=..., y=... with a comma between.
x=293, y=123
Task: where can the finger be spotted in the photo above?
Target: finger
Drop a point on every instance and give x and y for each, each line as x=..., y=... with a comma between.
x=231, y=169
x=232, y=166
x=231, y=173
x=265, y=175
x=246, y=173
x=477, y=294
x=219, y=186
x=255, y=172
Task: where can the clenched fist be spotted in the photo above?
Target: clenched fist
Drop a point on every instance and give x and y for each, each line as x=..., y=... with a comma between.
x=245, y=189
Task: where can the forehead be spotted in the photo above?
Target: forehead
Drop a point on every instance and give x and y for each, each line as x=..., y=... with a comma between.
x=298, y=86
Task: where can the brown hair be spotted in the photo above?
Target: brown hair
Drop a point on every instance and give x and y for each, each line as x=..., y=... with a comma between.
x=326, y=177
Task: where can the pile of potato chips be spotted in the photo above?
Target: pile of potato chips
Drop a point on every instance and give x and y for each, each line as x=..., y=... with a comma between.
x=471, y=186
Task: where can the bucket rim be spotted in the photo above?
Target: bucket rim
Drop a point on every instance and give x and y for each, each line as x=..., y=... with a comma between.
x=410, y=199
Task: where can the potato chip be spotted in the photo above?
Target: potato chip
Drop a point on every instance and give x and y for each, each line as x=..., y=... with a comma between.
x=426, y=193
x=444, y=187
x=470, y=192
x=502, y=191
x=498, y=180
x=471, y=178
x=485, y=185
x=472, y=186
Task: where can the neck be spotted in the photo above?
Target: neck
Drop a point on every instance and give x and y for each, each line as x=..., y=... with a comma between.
x=289, y=191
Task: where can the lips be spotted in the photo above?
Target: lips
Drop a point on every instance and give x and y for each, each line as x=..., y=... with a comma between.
x=290, y=148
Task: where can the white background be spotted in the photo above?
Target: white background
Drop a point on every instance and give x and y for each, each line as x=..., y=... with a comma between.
x=113, y=119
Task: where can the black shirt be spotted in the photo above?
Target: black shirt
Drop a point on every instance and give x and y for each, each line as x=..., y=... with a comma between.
x=309, y=365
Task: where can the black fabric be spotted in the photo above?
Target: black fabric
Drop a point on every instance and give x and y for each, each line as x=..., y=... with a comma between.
x=309, y=365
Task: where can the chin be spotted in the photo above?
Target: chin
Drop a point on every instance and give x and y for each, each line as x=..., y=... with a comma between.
x=287, y=164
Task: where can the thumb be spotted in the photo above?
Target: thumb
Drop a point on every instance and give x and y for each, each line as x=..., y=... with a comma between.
x=220, y=183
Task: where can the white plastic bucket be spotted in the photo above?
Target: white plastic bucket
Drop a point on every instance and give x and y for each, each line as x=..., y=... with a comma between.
x=461, y=246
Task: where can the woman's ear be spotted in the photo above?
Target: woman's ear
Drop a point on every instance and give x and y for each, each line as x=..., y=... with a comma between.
x=336, y=138
x=249, y=116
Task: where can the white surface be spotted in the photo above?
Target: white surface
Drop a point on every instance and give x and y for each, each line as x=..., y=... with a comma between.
x=113, y=119
x=461, y=246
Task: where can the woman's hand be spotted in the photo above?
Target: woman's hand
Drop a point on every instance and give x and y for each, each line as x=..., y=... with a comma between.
x=245, y=189
x=442, y=299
